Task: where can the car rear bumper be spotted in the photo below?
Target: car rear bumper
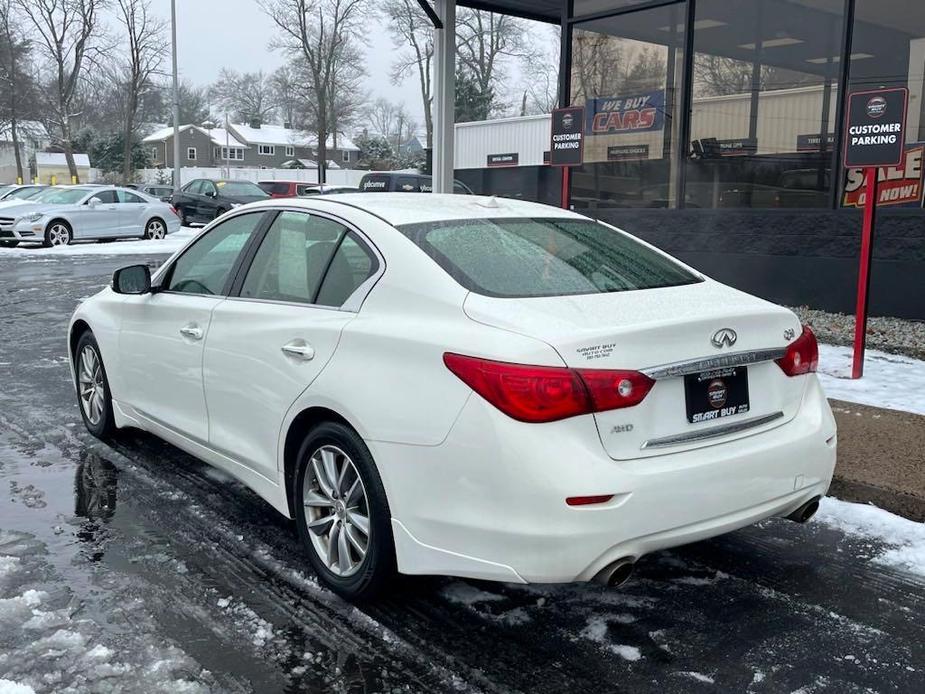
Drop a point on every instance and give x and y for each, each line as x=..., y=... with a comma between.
x=489, y=502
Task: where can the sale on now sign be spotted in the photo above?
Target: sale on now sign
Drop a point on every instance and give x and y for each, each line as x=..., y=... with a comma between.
x=896, y=185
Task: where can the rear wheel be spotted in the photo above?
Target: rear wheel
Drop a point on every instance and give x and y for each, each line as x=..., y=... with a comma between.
x=58, y=233
x=155, y=230
x=93, y=387
x=184, y=220
x=342, y=513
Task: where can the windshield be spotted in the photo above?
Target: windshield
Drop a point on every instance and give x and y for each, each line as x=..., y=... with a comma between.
x=4, y=190
x=521, y=257
x=24, y=193
x=61, y=196
x=240, y=188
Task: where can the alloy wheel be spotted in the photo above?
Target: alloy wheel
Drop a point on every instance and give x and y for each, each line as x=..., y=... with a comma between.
x=336, y=510
x=156, y=230
x=91, y=385
x=59, y=235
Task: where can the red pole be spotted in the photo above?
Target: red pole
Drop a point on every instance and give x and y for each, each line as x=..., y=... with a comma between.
x=565, y=187
x=867, y=234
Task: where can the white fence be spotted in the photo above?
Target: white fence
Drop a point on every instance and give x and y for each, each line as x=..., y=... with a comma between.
x=346, y=177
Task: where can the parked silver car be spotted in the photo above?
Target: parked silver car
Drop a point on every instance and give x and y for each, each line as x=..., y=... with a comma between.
x=18, y=191
x=62, y=214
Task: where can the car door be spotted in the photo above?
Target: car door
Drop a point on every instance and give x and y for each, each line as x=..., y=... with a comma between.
x=187, y=201
x=163, y=333
x=272, y=338
x=206, y=205
x=133, y=211
x=100, y=220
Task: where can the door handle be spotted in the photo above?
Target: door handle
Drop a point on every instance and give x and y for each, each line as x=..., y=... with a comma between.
x=192, y=331
x=299, y=349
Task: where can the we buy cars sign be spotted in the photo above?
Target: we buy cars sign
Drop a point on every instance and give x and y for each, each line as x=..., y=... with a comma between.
x=875, y=131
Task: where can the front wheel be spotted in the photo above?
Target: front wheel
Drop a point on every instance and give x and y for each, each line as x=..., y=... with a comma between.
x=93, y=387
x=342, y=513
x=58, y=233
x=155, y=230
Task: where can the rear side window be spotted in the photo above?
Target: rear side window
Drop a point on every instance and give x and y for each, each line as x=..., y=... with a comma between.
x=521, y=257
x=275, y=188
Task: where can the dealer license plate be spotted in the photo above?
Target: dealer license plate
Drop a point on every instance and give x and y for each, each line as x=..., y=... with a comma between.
x=716, y=394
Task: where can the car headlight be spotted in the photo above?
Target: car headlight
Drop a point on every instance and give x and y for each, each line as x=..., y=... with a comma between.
x=35, y=216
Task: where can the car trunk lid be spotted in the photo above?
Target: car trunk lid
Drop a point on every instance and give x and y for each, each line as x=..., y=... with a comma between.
x=666, y=333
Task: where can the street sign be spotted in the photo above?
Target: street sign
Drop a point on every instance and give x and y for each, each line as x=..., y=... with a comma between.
x=567, y=144
x=874, y=137
x=875, y=131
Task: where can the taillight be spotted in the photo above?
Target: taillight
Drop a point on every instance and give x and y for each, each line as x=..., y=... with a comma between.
x=174, y=210
x=802, y=355
x=548, y=393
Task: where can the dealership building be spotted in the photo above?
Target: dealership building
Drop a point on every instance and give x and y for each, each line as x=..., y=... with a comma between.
x=714, y=129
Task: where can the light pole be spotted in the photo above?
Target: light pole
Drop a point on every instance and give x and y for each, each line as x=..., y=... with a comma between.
x=176, y=98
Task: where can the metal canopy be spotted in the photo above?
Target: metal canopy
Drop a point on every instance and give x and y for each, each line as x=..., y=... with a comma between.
x=539, y=10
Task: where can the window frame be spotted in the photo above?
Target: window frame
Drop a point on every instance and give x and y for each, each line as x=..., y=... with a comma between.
x=266, y=150
x=163, y=277
x=290, y=151
x=353, y=303
x=345, y=156
x=194, y=152
x=226, y=153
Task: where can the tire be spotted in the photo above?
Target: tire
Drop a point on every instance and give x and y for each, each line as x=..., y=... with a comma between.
x=9, y=244
x=184, y=222
x=96, y=413
x=58, y=233
x=359, y=576
x=155, y=229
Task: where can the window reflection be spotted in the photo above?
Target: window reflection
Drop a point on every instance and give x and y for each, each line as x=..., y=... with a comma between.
x=764, y=103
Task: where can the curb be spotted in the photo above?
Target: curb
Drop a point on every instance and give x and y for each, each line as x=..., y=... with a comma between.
x=900, y=503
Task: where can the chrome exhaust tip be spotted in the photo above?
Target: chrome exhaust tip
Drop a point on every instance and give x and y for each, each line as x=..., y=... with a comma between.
x=615, y=574
x=806, y=511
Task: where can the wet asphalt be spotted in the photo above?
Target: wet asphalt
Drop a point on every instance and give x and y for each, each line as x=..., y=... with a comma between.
x=151, y=552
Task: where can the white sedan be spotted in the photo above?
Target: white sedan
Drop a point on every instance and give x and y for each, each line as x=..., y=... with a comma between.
x=460, y=385
x=59, y=215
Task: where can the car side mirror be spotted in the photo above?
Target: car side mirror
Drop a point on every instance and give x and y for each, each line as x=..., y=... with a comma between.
x=134, y=279
x=93, y=202
x=210, y=193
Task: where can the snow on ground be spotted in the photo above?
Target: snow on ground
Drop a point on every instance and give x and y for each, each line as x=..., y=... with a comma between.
x=891, y=381
x=172, y=243
x=905, y=539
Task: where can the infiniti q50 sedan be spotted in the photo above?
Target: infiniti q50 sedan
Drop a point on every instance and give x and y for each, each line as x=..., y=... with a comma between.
x=459, y=385
x=59, y=215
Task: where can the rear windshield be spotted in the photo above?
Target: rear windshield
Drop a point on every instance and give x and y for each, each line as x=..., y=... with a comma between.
x=520, y=257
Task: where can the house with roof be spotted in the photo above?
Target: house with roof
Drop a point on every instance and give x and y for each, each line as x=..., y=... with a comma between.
x=32, y=138
x=254, y=146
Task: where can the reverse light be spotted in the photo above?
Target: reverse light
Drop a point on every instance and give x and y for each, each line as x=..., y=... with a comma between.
x=548, y=393
x=802, y=355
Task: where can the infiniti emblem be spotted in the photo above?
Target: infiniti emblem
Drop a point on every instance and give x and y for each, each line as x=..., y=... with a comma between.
x=725, y=337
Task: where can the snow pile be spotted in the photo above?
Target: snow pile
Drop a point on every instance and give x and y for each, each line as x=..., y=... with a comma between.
x=596, y=630
x=905, y=538
x=891, y=381
x=171, y=244
x=10, y=687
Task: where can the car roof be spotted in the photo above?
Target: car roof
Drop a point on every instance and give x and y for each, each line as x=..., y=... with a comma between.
x=412, y=208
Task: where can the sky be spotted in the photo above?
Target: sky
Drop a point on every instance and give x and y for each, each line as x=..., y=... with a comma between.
x=212, y=34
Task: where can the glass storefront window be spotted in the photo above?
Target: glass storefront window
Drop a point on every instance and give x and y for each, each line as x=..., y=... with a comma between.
x=626, y=72
x=888, y=50
x=764, y=103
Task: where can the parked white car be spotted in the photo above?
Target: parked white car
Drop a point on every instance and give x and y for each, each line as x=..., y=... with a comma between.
x=60, y=215
x=459, y=385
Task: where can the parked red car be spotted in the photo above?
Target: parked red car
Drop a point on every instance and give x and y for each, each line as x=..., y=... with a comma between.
x=287, y=189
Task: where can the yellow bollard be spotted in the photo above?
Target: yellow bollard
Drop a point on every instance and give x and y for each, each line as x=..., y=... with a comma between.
x=19, y=180
x=73, y=180
x=54, y=180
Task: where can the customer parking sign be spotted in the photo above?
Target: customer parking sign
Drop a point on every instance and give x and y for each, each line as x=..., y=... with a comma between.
x=875, y=131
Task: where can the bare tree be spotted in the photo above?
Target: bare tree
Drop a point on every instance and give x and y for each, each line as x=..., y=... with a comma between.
x=326, y=36
x=411, y=29
x=146, y=39
x=247, y=96
x=284, y=94
x=484, y=42
x=381, y=117
x=66, y=30
x=18, y=94
x=716, y=75
x=541, y=74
